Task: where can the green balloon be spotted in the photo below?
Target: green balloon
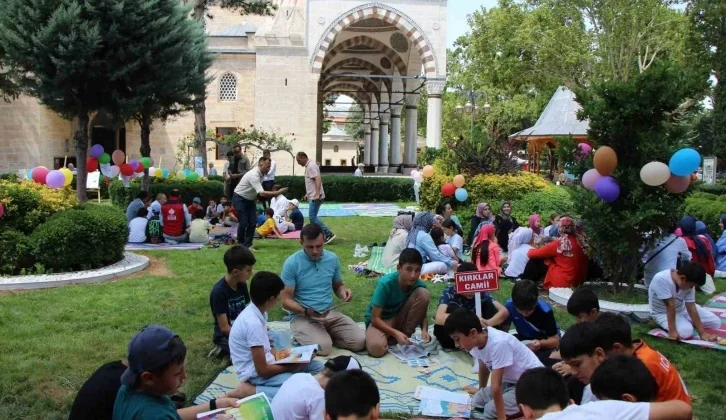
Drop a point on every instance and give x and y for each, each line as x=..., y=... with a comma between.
x=105, y=158
x=146, y=161
x=193, y=176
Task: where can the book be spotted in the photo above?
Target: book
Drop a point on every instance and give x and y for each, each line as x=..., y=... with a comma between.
x=302, y=354
x=255, y=407
x=441, y=403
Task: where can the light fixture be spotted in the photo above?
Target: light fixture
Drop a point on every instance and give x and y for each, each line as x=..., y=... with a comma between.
x=487, y=107
x=459, y=109
x=468, y=107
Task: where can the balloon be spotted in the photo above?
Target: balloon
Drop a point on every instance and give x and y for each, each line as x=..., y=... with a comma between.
x=187, y=171
x=2, y=210
x=181, y=175
x=607, y=189
x=105, y=158
x=146, y=161
x=459, y=181
x=414, y=173
x=126, y=169
x=428, y=171
x=678, y=184
x=96, y=151
x=39, y=174
x=590, y=178
x=68, y=175
x=91, y=165
x=461, y=194
x=118, y=157
x=134, y=163
x=605, y=160
x=655, y=173
x=684, y=162
x=29, y=175
x=419, y=178
x=448, y=189
x=584, y=148
x=115, y=170
x=165, y=173
x=139, y=168
x=192, y=176
x=55, y=179
x=158, y=173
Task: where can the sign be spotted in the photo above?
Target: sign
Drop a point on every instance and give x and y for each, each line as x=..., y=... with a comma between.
x=709, y=170
x=92, y=180
x=198, y=166
x=476, y=281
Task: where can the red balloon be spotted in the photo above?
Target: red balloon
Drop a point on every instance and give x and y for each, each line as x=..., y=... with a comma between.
x=448, y=190
x=140, y=168
x=91, y=165
x=39, y=174
x=126, y=169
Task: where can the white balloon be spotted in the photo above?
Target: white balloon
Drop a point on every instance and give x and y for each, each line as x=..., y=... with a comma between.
x=106, y=170
x=419, y=178
x=655, y=173
x=115, y=170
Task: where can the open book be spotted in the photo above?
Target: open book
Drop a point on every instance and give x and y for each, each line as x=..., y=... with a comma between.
x=302, y=354
x=440, y=403
x=255, y=407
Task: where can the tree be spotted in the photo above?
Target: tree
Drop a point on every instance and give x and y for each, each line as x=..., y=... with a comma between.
x=354, y=122
x=8, y=88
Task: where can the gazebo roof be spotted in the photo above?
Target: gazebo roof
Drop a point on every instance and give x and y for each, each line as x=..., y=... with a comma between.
x=559, y=118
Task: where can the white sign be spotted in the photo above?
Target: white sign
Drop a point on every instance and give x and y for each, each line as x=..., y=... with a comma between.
x=709, y=170
x=92, y=180
x=198, y=166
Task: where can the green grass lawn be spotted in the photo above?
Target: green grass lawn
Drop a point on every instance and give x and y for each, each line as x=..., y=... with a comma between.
x=52, y=340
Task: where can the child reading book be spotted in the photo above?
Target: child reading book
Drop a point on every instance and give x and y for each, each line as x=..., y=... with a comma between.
x=583, y=305
x=249, y=342
x=582, y=351
x=352, y=395
x=534, y=320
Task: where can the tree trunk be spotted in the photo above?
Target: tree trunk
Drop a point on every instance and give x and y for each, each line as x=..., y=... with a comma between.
x=145, y=148
x=80, y=137
x=200, y=109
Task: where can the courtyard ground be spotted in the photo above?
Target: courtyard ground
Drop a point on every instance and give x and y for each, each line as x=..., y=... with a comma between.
x=52, y=340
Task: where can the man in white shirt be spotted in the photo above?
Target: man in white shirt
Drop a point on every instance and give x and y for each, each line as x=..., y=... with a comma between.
x=302, y=396
x=212, y=169
x=359, y=171
x=243, y=200
x=268, y=181
x=664, y=256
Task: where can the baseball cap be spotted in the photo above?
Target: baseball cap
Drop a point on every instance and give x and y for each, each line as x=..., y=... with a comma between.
x=155, y=207
x=294, y=202
x=341, y=363
x=148, y=350
x=197, y=200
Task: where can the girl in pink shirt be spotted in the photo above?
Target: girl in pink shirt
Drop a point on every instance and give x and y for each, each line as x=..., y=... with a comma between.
x=485, y=251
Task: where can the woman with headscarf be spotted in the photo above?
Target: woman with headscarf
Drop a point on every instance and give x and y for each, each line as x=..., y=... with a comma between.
x=535, y=224
x=519, y=244
x=483, y=216
x=419, y=238
x=721, y=246
x=703, y=231
x=698, y=245
x=447, y=212
x=505, y=223
x=485, y=251
x=565, y=258
x=397, y=239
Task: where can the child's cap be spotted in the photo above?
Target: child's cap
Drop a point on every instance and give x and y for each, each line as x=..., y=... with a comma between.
x=197, y=200
x=341, y=363
x=294, y=202
x=360, y=165
x=148, y=350
x=155, y=207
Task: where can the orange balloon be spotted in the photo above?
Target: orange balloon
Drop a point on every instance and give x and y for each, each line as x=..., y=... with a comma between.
x=459, y=181
x=428, y=171
x=605, y=160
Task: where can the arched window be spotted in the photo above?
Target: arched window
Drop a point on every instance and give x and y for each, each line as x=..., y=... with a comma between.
x=336, y=149
x=228, y=88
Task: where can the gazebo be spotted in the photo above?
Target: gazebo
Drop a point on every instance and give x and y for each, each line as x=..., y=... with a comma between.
x=559, y=118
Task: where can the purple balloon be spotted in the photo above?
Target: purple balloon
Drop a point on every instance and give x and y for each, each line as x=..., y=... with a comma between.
x=55, y=179
x=97, y=150
x=607, y=189
x=134, y=163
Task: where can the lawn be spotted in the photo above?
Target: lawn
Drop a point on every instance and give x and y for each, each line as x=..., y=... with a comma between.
x=54, y=339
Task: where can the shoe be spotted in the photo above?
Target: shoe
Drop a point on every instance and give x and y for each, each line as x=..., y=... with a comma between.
x=252, y=249
x=329, y=239
x=215, y=352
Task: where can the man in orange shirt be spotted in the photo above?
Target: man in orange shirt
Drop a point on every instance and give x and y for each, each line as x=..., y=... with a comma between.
x=617, y=339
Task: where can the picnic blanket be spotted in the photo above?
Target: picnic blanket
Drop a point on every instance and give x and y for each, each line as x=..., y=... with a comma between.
x=222, y=231
x=375, y=262
x=717, y=305
x=396, y=381
x=288, y=235
x=354, y=209
x=162, y=247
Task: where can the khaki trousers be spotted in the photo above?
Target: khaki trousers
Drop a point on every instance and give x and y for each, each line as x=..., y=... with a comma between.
x=335, y=329
x=406, y=321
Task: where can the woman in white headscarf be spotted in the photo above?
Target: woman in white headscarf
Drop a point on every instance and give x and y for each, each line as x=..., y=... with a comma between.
x=519, y=244
x=402, y=225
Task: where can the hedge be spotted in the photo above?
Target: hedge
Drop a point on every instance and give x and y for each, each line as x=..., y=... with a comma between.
x=718, y=189
x=16, y=252
x=28, y=204
x=340, y=188
x=707, y=210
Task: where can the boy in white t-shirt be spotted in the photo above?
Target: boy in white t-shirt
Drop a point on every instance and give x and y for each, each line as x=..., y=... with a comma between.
x=672, y=301
x=249, y=342
x=137, y=227
x=302, y=397
x=500, y=354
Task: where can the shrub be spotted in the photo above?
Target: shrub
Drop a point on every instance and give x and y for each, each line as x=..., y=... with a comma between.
x=10, y=177
x=552, y=200
x=707, y=210
x=718, y=189
x=206, y=190
x=16, y=252
x=85, y=238
x=215, y=178
x=28, y=204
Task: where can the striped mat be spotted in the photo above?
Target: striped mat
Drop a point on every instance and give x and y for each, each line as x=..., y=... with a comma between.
x=375, y=262
x=162, y=247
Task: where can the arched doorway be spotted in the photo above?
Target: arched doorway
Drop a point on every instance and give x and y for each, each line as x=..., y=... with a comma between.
x=108, y=132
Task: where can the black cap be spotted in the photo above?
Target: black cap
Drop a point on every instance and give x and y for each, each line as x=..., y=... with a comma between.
x=148, y=350
x=341, y=363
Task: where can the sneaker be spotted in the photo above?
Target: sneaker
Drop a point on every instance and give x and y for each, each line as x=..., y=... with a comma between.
x=252, y=249
x=215, y=352
x=330, y=238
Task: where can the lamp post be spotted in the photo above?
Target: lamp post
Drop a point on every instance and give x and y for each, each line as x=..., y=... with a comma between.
x=471, y=108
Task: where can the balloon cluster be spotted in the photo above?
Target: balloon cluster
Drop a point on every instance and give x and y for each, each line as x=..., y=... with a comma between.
x=54, y=179
x=677, y=175
x=598, y=179
x=451, y=189
x=134, y=168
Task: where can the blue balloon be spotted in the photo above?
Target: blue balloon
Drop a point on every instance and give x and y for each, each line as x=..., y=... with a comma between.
x=29, y=175
x=164, y=173
x=684, y=162
x=186, y=171
x=461, y=194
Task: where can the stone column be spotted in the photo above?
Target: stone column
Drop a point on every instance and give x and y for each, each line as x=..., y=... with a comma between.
x=409, y=148
x=396, y=158
x=433, y=120
x=319, y=132
x=367, y=140
x=374, y=145
x=383, y=146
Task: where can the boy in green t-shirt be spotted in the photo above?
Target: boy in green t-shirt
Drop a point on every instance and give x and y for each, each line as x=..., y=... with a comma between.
x=398, y=306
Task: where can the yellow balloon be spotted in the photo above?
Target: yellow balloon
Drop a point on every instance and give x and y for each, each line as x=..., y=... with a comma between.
x=68, y=175
x=459, y=181
x=428, y=171
x=158, y=173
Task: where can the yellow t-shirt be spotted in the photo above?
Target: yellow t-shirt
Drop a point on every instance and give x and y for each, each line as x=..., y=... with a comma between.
x=266, y=228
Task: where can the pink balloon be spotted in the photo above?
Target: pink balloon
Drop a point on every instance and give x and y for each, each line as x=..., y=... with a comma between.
x=118, y=157
x=39, y=174
x=675, y=184
x=590, y=178
x=115, y=170
x=585, y=148
x=55, y=179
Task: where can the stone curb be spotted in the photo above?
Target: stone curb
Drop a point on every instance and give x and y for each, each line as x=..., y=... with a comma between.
x=561, y=295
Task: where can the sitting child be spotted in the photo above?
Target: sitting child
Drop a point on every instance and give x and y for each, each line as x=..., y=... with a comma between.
x=154, y=231
x=493, y=313
x=623, y=378
x=269, y=227
x=672, y=300
x=137, y=227
x=212, y=214
x=295, y=215
x=582, y=351
x=249, y=342
x=398, y=306
x=499, y=354
x=230, y=296
x=196, y=205
x=485, y=251
x=199, y=229
x=229, y=214
x=303, y=395
x=542, y=394
x=352, y=395
x=583, y=305
x=437, y=234
x=617, y=339
x=453, y=238
x=534, y=320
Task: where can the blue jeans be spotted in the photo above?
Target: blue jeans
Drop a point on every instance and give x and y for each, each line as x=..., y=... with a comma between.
x=270, y=386
x=247, y=216
x=313, y=215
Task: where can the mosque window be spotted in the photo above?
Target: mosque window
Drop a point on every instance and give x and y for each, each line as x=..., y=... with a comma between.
x=228, y=88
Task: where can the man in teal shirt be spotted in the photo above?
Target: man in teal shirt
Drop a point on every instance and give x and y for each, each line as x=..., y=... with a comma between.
x=398, y=306
x=311, y=276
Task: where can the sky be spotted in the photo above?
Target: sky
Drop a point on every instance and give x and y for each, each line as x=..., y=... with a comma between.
x=458, y=10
